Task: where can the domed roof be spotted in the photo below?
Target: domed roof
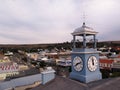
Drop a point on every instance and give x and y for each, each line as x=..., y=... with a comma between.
x=84, y=30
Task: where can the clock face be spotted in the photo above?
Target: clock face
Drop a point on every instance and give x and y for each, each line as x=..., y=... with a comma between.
x=92, y=63
x=77, y=63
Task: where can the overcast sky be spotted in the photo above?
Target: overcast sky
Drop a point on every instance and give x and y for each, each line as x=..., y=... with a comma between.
x=52, y=21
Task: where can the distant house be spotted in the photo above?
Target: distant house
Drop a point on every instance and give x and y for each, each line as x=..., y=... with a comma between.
x=8, y=53
x=64, y=63
x=106, y=64
x=8, y=69
x=33, y=56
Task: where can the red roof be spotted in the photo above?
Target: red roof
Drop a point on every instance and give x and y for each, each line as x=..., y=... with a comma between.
x=119, y=56
x=106, y=61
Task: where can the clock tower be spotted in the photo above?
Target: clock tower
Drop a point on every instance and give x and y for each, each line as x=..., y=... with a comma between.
x=85, y=60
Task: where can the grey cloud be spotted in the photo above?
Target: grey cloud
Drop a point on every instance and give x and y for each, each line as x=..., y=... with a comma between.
x=44, y=21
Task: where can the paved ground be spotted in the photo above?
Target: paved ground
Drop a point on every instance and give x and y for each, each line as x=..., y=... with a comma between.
x=60, y=83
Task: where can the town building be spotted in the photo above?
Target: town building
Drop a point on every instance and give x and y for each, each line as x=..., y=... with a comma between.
x=8, y=69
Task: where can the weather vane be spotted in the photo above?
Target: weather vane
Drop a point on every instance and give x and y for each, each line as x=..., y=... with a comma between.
x=84, y=18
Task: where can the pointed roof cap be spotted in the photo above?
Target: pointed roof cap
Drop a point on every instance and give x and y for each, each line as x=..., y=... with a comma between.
x=84, y=30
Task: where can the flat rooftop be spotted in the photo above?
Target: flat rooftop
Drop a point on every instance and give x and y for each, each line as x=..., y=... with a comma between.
x=61, y=83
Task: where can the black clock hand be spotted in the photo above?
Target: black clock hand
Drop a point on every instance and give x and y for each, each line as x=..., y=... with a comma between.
x=92, y=61
x=77, y=63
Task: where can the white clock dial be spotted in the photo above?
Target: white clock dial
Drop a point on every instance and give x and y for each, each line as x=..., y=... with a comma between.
x=92, y=63
x=77, y=63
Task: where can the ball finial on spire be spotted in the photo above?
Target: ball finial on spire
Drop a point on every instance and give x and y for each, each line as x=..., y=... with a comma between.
x=83, y=23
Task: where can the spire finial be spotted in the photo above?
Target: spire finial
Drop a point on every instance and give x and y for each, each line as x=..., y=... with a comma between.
x=83, y=23
x=83, y=18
